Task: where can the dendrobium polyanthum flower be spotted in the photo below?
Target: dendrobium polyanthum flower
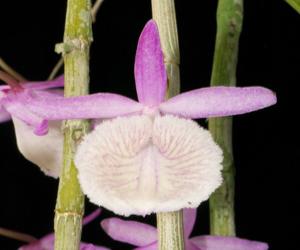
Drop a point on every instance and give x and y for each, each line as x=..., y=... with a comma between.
x=149, y=156
x=42, y=151
x=144, y=236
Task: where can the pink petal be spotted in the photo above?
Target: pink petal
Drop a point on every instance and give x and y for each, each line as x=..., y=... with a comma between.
x=50, y=93
x=4, y=87
x=88, y=246
x=87, y=219
x=152, y=246
x=132, y=232
x=45, y=243
x=189, y=218
x=149, y=69
x=12, y=103
x=102, y=105
x=57, y=82
x=4, y=115
x=19, y=111
x=227, y=243
x=191, y=246
x=218, y=101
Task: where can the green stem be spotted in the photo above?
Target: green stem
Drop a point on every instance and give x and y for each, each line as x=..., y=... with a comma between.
x=295, y=4
x=60, y=63
x=169, y=225
x=229, y=26
x=75, y=49
x=170, y=230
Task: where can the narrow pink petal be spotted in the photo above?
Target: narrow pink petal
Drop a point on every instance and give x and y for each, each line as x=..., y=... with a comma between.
x=132, y=232
x=227, y=243
x=4, y=115
x=4, y=87
x=57, y=82
x=50, y=93
x=149, y=69
x=19, y=111
x=189, y=218
x=103, y=105
x=87, y=219
x=218, y=101
x=45, y=243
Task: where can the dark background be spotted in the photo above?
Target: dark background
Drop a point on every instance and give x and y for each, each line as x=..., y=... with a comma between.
x=266, y=143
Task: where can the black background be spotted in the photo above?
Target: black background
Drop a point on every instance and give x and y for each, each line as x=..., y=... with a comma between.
x=266, y=143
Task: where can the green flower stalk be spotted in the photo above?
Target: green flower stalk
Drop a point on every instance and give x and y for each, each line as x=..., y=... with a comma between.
x=229, y=26
x=97, y=5
x=75, y=49
x=295, y=4
x=170, y=225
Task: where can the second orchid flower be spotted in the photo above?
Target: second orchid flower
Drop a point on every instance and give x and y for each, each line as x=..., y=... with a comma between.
x=149, y=156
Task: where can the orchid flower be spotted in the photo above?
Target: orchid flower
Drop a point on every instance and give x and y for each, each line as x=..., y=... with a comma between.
x=149, y=156
x=47, y=242
x=144, y=236
x=42, y=151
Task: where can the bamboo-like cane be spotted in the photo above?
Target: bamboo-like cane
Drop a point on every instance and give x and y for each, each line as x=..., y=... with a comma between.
x=75, y=49
x=97, y=5
x=229, y=26
x=295, y=4
x=169, y=225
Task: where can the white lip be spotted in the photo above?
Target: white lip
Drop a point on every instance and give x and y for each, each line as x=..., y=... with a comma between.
x=141, y=164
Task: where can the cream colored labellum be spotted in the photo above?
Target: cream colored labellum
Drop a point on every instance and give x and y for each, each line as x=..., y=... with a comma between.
x=141, y=164
x=44, y=151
